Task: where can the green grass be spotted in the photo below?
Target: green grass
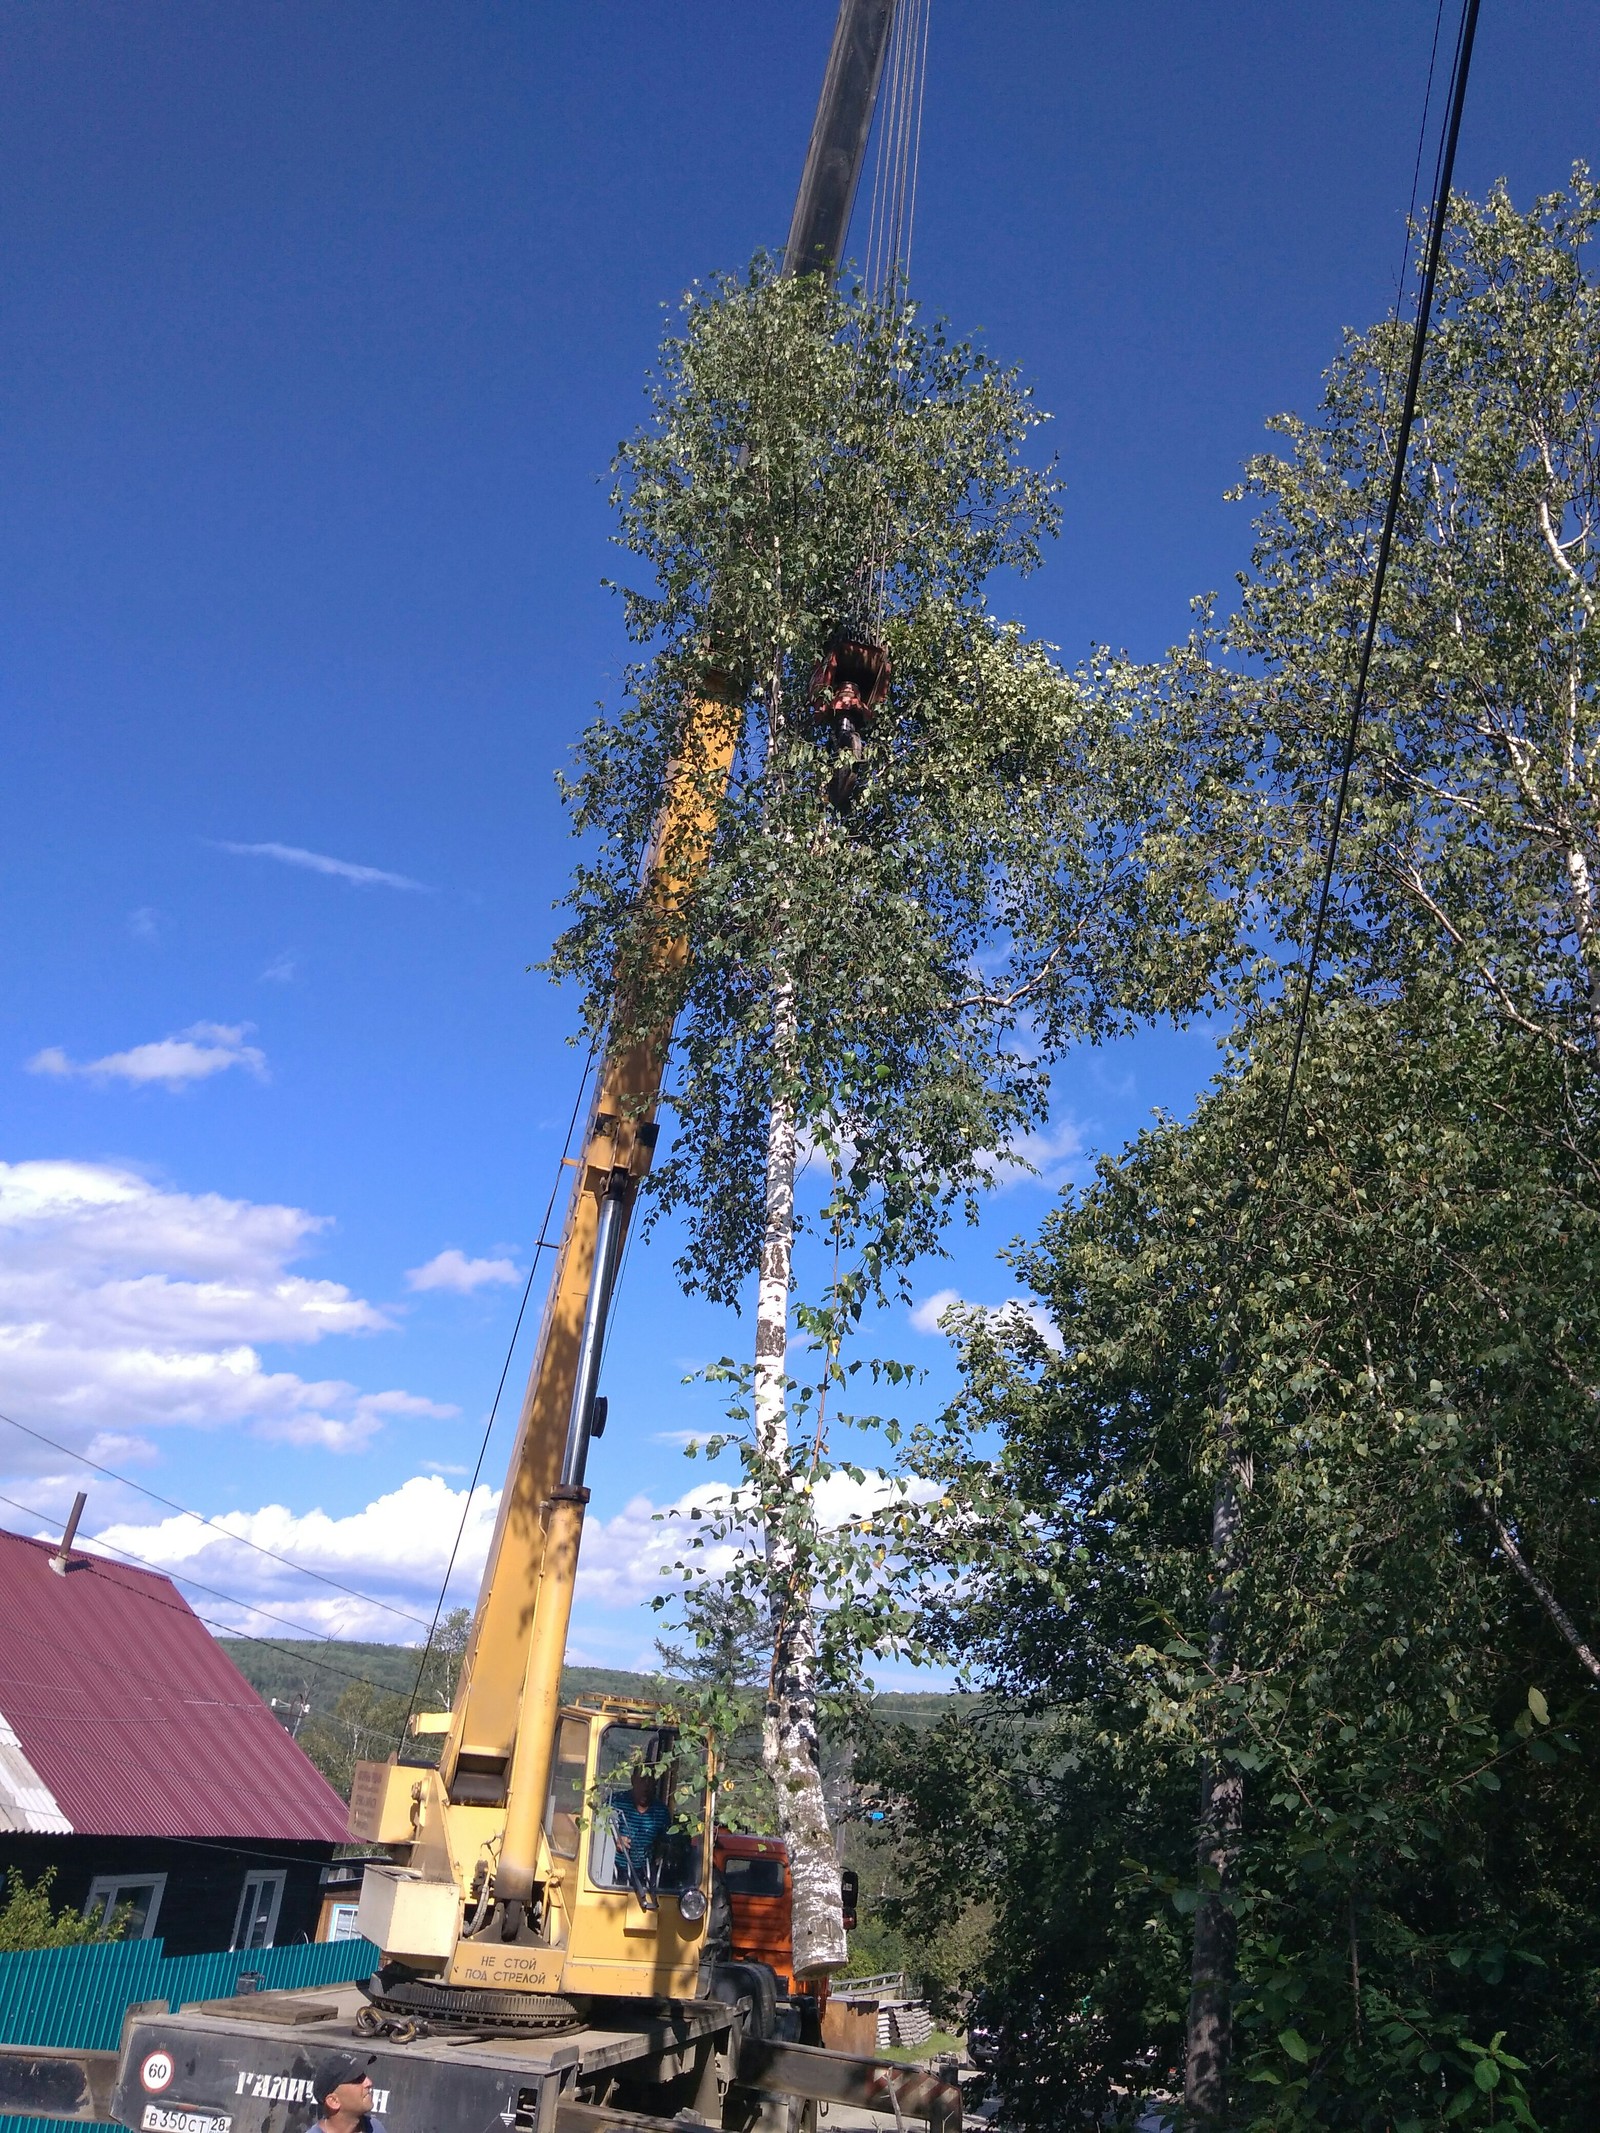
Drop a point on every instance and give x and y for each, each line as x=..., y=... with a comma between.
x=941, y=2045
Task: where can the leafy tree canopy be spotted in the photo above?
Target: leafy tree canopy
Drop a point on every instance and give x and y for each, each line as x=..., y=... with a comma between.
x=814, y=458
x=1386, y=1339
x=28, y=1919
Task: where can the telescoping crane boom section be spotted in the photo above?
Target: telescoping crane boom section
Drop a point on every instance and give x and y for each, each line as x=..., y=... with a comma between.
x=534, y=1976
x=500, y=1750
x=498, y=1909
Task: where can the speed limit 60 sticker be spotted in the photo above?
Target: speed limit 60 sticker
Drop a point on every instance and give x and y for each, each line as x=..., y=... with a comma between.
x=156, y=2072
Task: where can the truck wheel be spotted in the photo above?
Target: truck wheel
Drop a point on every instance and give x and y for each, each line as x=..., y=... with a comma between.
x=755, y=1982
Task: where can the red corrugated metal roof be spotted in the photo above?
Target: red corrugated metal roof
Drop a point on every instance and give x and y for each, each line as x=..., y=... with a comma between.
x=133, y=1716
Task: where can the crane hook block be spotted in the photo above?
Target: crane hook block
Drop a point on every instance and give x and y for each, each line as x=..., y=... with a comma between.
x=848, y=685
x=851, y=680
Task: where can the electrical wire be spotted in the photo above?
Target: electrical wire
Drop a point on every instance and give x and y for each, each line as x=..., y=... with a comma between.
x=1444, y=169
x=541, y=1245
x=233, y=1599
x=304, y=1570
x=180, y=1577
x=1416, y=167
x=150, y=1599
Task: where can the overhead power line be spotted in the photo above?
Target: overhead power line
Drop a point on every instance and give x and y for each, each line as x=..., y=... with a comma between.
x=303, y=1569
x=1444, y=171
x=542, y=1244
x=150, y=1599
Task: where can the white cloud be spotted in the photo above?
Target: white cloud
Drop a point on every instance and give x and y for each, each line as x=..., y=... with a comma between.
x=128, y=1307
x=395, y=1550
x=1051, y=1158
x=145, y=923
x=194, y=1054
x=280, y=970
x=452, y=1270
x=926, y=1316
x=294, y=855
x=114, y=1447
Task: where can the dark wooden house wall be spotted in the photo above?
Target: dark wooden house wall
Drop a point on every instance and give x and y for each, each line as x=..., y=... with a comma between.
x=200, y=1903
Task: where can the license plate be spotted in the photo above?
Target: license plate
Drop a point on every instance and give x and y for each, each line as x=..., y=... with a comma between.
x=172, y=2118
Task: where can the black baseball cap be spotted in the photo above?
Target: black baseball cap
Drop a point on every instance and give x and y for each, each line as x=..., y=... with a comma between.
x=334, y=2071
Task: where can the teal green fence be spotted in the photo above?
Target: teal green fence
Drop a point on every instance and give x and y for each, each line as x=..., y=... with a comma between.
x=78, y=1996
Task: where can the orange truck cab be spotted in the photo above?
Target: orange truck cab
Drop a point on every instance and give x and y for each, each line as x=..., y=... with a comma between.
x=754, y=1873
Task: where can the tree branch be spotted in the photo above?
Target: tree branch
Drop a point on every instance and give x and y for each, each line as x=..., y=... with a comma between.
x=1412, y=883
x=1540, y=1590
x=1563, y=561
x=1003, y=1000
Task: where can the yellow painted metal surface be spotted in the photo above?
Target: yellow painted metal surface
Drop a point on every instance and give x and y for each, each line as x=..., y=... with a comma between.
x=489, y=1703
x=599, y=1938
x=498, y=1754
x=383, y=1802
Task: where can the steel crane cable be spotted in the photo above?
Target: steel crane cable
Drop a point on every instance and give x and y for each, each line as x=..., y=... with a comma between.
x=897, y=162
x=543, y=1244
x=898, y=154
x=1444, y=169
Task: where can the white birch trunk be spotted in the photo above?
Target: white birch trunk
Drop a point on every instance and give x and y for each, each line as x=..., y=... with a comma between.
x=790, y=1750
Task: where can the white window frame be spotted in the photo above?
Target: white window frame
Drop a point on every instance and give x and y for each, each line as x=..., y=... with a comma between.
x=342, y=1921
x=105, y=1893
x=264, y=1877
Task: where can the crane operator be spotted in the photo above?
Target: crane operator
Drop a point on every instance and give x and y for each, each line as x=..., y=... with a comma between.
x=641, y=1821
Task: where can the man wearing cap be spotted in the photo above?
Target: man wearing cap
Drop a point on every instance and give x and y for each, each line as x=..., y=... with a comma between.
x=344, y=2095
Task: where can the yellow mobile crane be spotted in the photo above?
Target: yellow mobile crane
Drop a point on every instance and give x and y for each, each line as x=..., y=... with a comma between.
x=517, y=1885
x=540, y=1970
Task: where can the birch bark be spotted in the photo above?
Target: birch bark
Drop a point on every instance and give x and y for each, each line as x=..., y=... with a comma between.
x=1209, y=2055
x=790, y=1748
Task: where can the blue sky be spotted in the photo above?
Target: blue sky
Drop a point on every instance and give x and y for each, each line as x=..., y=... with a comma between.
x=322, y=323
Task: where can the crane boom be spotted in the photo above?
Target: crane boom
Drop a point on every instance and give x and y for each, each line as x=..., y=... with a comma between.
x=542, y=1968
x=478, y=1824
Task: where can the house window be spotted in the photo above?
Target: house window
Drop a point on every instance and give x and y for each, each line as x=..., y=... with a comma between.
x=258, y=1911
x=137, y=1896
x=342, y=1921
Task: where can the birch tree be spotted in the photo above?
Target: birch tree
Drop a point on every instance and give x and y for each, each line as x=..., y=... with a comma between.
x=1411, y=1330
x=876, y=968
x=1462, y=926
x=1472, y=840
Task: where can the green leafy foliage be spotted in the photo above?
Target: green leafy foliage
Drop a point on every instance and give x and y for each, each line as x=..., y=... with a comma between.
x=28, y=1920
x=814, y=457
x=1473, y=831
x=366, y=1722
x=1387, y=1339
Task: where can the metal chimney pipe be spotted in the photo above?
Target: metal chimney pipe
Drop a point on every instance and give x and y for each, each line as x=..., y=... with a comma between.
x=61, y=1561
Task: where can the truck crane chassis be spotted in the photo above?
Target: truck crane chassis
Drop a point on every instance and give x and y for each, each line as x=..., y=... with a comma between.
x=245, y=2066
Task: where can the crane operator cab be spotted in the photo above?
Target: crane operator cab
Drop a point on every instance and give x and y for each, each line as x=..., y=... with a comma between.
x=625, y=1876
x=629, y=1791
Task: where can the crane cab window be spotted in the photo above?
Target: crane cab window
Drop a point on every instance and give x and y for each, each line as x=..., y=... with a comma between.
x=564, y=1814
x=648, y=1802
x=753, y=1876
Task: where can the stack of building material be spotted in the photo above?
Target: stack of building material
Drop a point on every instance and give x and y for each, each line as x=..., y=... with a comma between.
x=903, y=2024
